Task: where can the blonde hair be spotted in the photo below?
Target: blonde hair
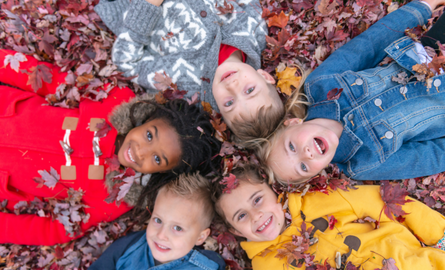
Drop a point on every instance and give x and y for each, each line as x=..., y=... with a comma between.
x=261, y=126
x=296, y=107
x=196, y=188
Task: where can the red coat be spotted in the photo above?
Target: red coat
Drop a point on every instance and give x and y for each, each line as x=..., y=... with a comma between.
x=29, y=141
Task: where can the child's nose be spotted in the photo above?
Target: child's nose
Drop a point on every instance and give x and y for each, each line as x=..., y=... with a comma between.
x=308, y=153
x=162, y=234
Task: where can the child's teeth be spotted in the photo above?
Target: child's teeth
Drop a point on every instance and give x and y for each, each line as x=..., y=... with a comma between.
x=318, y=147
x=162, y=247
x=130, y=156
x=265, y=224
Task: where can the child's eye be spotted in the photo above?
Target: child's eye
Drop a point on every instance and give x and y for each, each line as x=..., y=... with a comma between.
x=177, y=228
x=157, y=160
x=241, y=216
x=250, y=90
x=257, y=200
x=149, y=136
x=228, y=103
x=291, y=147
x=157, y=220
x=303, y=167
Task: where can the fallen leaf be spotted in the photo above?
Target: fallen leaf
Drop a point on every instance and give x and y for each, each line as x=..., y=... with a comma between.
x=230, y=182
x=14, y=60
x=38, y=74
x=286, y=79
x=279, y=20
x=394, y=197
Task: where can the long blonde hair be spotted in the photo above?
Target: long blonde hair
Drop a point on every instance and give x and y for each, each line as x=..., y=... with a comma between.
x=295, y=107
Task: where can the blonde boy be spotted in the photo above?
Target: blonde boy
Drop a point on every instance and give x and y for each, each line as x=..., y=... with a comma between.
x=180, y=221
x=251, y=210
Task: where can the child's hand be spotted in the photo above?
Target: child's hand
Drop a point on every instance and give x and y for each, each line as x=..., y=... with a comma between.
x=159, y=2
x=435, y=3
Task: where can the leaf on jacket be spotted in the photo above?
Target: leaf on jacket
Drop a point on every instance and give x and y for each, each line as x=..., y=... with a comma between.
x=278, y=20
x=296, y=249
x=38, y=74
x=332, y=221
x=389, y=264
x=230, y=182
x=334, y=94
x=401, y=78
x=48, y=179
x=437, y=63
x=113, y=164
x=394, y=197
x=225, y=8
x=14, y=60
x=164, y=82
x=286, y=79
x=104, y=128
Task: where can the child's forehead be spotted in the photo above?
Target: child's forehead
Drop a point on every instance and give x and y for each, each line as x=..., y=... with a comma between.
x=171, y=204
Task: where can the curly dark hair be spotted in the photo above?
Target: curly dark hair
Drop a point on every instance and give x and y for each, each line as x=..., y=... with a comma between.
x=199, y=146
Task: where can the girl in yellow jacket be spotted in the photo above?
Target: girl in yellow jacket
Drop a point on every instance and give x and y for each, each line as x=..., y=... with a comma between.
x=306, y=235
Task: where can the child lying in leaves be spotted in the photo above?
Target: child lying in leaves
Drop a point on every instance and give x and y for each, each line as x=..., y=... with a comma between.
x=53, y=158
x=181, y=217
x=374, y=122
x=328, y=231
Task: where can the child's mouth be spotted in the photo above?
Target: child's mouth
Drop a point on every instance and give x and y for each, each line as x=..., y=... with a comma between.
x=265, y=225
x=227, y=75
x=161, y=247
x=129, y=156
x=320, y=145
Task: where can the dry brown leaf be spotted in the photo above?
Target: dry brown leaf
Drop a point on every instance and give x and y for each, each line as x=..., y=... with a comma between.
x=287, y=78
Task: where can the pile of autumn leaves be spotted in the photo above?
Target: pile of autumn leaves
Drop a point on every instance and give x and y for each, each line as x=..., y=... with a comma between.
x=71, y=35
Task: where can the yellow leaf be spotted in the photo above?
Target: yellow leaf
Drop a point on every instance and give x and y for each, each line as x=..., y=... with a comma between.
x=286, y=78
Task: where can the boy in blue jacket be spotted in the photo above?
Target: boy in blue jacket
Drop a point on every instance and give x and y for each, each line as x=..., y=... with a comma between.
x=180, y=221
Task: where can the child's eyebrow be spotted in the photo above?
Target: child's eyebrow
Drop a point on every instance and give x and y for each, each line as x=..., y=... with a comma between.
x=250, y=198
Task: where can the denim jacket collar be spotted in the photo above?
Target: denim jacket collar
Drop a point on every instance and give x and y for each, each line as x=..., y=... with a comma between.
x=403, y=51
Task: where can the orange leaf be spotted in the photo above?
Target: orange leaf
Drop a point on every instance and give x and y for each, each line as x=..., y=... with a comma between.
x=160, y=99
x=286, y=78
x=279, y=20
x=207, y=107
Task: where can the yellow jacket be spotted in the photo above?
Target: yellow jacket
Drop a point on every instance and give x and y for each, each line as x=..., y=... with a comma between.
x=392, y=240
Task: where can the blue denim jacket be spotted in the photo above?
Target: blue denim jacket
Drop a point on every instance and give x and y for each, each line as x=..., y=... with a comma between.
x=132, y=252
x=391, y=131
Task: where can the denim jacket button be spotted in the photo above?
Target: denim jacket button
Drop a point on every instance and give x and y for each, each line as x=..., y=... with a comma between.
x=359, y=81
x=437, y=82
x=203, y=13
x=378, y=102
x=403, y=90
x=397, y=47
x=389, y=135
x=350, y=117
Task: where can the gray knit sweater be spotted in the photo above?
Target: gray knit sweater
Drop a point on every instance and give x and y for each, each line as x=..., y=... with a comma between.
x=182, y=38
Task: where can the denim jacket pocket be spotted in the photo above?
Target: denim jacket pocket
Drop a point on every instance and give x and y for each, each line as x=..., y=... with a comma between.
x=357, y=86
x=386, y=139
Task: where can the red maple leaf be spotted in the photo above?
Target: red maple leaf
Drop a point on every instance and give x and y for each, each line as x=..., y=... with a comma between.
x=279, y=20
x=334, y=93
x=437, y=63
x=227, y=239
x=230, y=182
x=103, y=127
x=394, y=197
x=38, y=74
x=58, y=252
x=113, y=163
x=226, y=8
x=332, y=222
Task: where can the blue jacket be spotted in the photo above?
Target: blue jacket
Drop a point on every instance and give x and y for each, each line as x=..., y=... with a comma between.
x=391, y=131
x=132, y=252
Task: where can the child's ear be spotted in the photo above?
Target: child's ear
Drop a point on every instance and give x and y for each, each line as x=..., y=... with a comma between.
x=269, y=79
x=293, y=121
x=235, y=232
x=202, y=237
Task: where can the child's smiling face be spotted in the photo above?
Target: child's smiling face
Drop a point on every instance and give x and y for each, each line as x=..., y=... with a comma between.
x=175, y=227
x=151, y=147
x=239, y=89
x=302, y=150
x=253, y=211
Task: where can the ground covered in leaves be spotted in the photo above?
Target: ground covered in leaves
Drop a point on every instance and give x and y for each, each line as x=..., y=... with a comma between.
x=71, y=35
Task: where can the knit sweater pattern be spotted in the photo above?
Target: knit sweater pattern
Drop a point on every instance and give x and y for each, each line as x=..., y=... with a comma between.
x=181, y=38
